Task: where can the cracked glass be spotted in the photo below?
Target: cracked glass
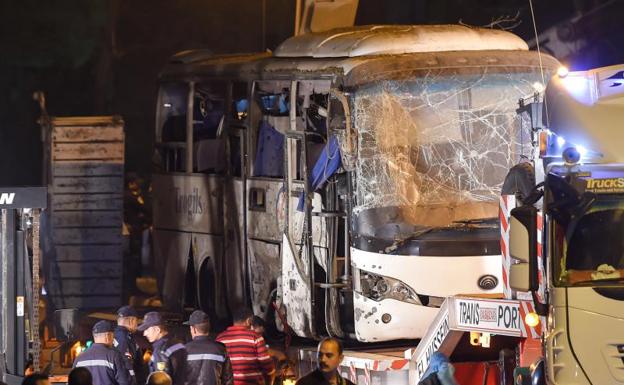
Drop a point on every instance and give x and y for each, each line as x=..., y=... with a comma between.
x=438, y=147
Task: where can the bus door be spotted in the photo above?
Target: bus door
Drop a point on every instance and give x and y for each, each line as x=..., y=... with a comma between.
x=298, y=267
x=306, y=244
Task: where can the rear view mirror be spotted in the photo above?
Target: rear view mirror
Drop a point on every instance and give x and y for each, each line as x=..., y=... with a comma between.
x=519, y=276
x=523, y=247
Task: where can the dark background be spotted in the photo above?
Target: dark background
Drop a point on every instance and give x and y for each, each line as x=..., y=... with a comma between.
x=100, y=57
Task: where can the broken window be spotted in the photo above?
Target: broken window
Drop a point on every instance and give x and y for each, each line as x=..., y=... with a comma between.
x=439, y=146
x=208, y=121
x=272, y=98
x=171, y=126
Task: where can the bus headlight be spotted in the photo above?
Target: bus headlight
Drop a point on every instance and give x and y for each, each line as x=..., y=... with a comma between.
x=378, y=287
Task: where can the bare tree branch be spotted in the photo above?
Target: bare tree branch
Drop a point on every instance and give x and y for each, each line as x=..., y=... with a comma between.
x=506, y=22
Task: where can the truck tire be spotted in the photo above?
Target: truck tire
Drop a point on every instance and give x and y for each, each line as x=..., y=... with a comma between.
x=520, y=181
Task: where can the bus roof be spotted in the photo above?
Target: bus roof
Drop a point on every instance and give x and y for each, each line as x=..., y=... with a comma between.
x=398, y=39
x=458, y=48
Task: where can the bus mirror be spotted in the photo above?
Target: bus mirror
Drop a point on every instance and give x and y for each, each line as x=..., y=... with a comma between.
x=523, y=243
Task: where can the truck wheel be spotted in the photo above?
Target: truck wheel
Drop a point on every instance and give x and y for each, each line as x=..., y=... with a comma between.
x=520, y=181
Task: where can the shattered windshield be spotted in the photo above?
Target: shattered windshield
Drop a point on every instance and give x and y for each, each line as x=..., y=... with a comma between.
x=591, y=250
x=434, y=151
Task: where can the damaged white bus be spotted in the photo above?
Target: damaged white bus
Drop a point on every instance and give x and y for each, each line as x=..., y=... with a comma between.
x=344, y=184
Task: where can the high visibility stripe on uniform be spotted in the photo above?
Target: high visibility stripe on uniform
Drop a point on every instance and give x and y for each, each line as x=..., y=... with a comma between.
x=95, y=363
x=201, y=357
x=115, y=343
x=172, y=349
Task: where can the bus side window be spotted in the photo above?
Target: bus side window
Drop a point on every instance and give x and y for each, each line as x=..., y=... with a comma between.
x=235, y=163
x=257, y=201
x=171, y=126
x=267, y=139
x=208, y=120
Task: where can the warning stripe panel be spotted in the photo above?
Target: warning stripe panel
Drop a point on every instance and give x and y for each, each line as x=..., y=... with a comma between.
x=523, y=326
x=503, y=220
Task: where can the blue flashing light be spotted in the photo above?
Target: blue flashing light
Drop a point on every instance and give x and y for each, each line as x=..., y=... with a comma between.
x=581, y=150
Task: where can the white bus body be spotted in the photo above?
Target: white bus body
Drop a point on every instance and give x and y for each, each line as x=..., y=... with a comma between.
x=395, y=154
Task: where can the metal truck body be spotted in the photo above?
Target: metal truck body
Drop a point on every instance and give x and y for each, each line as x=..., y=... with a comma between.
x=83, y=240
x=357, y=212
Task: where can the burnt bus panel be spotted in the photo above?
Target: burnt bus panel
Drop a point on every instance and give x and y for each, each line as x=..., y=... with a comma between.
x=188, y=203
x=210, y=269
x=319, y=225
x=262, y=209
x=234, y=243
x=171, y=254
x=265, y=266
x=296, y=288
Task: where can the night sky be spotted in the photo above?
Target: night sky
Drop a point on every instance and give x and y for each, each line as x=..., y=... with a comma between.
x=100, y=57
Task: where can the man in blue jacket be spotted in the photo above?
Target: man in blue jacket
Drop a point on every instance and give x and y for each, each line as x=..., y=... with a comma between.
x=207, y=362
x=125, y=342
x=106, y=364
x=169, y=354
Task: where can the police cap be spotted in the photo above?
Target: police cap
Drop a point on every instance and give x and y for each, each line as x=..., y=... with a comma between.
x=197, y=317
x=152, y=318
x=127, y=311
x=103, y=327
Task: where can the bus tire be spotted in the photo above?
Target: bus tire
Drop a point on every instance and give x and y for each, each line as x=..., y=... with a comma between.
x=520, y=181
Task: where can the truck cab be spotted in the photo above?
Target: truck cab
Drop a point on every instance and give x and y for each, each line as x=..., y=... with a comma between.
x=565, y=241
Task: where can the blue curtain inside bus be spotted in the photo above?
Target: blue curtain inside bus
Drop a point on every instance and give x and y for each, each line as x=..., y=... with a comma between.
x=270, y=152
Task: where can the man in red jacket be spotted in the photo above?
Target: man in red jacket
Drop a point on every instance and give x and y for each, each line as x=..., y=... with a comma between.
x=251, y=363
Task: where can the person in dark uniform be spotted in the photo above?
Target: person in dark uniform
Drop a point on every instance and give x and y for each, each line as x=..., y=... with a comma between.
x=127, y=323
x=106, y=364
x=330, y=356
x=207, y=362
x=80, y=376
x=158, y=378
x=169, y=354
x=35, y=379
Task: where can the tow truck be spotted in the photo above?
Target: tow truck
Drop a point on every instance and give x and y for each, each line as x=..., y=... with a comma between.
x=562, y=218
